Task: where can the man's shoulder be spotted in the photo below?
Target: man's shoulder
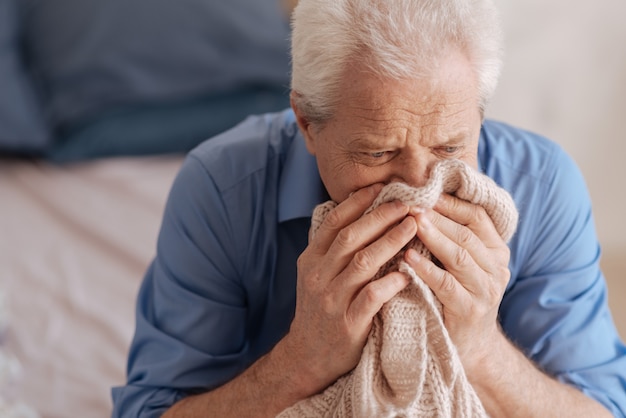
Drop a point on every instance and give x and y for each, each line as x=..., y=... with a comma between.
x=257, y=144
x=509, y=151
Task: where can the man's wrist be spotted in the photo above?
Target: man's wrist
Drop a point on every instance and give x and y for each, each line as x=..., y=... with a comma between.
x=299, y=378
x=490, y=362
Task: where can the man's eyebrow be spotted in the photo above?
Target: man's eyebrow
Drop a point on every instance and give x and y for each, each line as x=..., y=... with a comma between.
x=372, y=141
x=454, y=137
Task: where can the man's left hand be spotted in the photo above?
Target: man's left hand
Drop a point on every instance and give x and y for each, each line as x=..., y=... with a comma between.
x=472, y=276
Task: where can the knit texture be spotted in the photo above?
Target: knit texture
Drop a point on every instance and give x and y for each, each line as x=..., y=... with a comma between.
x=409, y=366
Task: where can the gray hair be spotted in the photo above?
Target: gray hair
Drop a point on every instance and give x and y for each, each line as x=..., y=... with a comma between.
x=402, y=39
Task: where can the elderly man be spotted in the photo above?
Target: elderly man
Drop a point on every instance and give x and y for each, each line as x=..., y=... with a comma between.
x=241, y=315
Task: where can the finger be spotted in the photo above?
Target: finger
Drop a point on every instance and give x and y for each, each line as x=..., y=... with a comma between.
x=356, y=250
x=468, y=214
x=365, y=263
x=481, y=270
x=463, y=236
x=343, y=215
x=488, y=247
x=443, y=284
x=373, y=296
x=460, y=256
x=471, y=228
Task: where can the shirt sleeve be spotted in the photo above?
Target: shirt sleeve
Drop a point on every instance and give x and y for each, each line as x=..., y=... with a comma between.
x=186, y=325
x=556, y=308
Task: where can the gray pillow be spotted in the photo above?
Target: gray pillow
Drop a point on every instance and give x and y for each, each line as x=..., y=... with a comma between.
x=23, y=128
x=93, y=56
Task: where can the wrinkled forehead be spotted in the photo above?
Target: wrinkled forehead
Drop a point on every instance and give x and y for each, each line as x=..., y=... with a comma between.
x=376, y=106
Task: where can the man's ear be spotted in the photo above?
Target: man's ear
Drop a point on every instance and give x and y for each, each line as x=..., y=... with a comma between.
x=306, y=127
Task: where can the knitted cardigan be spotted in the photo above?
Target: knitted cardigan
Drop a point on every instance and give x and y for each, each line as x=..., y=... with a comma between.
x=409, y=366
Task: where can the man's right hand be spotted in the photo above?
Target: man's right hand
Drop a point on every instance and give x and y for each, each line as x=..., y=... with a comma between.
x=336, y=299
x=336, y=302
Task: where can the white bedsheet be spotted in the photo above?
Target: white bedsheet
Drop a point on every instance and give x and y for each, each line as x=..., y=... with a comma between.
x=74, y=244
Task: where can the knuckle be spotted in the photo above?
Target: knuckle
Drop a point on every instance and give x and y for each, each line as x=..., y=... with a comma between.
x=302, y=263
x=333, y=220
x=476, y=311
x=494, y=296
x=501, y=268
x=308, y=271
x=462, y=257
x=465, y=237
x=493, y=291
x=506, y=253
x=504, y=275
x=447, y=283
x=347, y=237
x=363, y=261
x=372, y=293
x=327, y=304
x=379, y=214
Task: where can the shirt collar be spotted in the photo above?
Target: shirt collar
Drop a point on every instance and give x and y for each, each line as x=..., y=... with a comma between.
x=481, y=150
x=300, y=188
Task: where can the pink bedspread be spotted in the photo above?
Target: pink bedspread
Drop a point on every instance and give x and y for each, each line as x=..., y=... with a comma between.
x=74, y=244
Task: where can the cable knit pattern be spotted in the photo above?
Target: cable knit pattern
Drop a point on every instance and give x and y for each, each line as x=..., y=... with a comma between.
x=409, y=366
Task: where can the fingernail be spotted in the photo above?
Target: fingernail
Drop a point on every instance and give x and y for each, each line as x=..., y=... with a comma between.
x=413, y=256
x=424, y=222
x=399, y=205
x=414, y=210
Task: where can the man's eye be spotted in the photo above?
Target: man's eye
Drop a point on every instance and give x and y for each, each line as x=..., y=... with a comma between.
x=378, y=154
x=450, y=150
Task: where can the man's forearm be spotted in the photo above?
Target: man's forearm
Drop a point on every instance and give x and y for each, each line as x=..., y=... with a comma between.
x=509, y=385
x=265, y=389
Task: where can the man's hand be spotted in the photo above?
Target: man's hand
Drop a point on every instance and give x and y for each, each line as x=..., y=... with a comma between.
x=336, y=301
x=470, y=284
x=473, y=277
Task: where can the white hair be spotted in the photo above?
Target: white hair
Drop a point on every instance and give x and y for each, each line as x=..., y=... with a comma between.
x=403, y=39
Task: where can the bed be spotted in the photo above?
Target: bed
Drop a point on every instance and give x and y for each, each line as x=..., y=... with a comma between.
x=75, y=241
x=99, y=101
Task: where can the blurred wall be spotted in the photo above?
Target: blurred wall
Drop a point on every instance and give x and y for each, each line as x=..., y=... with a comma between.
x=565, y=77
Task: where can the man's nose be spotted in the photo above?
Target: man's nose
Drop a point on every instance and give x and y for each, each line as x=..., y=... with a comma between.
x=413, y=169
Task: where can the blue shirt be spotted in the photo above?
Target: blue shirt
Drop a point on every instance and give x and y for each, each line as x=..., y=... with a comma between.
x=221, y=290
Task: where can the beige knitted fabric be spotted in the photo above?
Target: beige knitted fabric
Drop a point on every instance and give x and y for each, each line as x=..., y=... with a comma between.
x=409, y=366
